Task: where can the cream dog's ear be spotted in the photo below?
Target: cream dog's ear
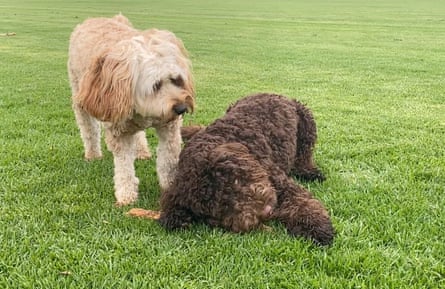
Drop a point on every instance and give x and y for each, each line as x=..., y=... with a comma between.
x=106, y=90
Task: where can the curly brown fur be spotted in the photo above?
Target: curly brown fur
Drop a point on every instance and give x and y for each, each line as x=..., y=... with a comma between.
x=237, y=172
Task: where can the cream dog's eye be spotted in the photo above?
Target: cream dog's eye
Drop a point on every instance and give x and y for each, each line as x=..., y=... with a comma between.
x=178, y=81
x=157, y=86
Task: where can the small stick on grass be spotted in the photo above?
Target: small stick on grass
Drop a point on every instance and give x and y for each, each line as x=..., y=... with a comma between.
x=142, y=213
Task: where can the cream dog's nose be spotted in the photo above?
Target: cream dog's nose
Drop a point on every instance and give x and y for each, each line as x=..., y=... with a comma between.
x=180, y=108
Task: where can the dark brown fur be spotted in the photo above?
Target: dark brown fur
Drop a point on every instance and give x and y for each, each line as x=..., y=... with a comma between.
x=237, y=172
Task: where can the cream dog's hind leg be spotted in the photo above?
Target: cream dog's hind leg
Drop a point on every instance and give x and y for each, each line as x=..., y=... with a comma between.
x=142, y=150
x=90, y=133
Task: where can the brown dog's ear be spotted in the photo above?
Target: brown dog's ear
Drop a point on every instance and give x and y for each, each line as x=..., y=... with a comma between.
x=105, y=91
x=187, y=132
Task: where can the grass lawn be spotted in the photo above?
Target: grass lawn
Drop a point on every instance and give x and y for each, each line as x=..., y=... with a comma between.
x=371, y=71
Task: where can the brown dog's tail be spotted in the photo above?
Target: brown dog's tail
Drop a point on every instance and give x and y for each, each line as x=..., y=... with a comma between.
x=187, y=132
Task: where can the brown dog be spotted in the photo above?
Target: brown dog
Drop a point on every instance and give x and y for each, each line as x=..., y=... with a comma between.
x=236, y=173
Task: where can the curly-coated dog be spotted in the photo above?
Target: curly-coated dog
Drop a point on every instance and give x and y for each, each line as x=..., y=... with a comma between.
x=129, y=80
x=237, y=172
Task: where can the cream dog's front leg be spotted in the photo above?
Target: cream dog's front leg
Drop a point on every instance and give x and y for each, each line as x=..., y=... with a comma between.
x=168, y=151
x=126, y=183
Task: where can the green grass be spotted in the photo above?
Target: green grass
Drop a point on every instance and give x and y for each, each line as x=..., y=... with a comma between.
x=371, y=71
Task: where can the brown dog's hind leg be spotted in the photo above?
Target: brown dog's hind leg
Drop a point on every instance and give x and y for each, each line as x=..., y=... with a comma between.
x=304, y=166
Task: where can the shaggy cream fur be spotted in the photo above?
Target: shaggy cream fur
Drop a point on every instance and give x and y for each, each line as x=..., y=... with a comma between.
x=129, y=80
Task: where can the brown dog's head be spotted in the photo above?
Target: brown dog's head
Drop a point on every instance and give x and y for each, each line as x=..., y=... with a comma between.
x=150, y=77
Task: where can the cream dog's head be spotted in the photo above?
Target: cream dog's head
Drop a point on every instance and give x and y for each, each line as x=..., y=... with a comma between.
x=149, y=75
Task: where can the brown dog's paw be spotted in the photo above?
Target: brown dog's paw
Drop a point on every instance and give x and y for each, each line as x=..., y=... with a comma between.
x=142, y=213
x=175, y=219
x=314, y=175
x=321, y=234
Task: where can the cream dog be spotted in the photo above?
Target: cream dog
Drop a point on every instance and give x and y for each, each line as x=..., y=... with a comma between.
x=129, y=80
